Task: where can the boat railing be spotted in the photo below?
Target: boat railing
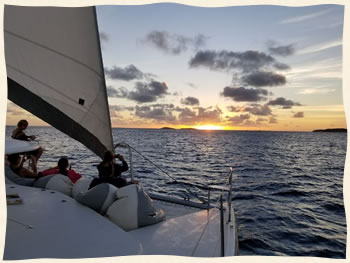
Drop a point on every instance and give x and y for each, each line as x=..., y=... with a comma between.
x=223, y=188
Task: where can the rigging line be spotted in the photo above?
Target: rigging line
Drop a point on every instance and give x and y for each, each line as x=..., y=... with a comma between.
x=201, y=236
x=173, y=178
x=20, y=223
x=53, y=51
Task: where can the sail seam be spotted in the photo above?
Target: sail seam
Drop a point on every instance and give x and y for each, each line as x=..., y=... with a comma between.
x=62, y=94
x=53, y=116
x=39, y=81
x=54, y=51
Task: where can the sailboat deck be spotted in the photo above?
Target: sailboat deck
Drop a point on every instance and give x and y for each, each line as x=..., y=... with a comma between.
x=196, y=232
x=41, y=225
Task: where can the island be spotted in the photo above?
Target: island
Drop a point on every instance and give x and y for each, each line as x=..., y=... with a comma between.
x=167, y=128
x=332, y=130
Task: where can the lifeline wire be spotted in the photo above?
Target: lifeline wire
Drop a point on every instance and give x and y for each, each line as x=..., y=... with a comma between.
x=187, y=189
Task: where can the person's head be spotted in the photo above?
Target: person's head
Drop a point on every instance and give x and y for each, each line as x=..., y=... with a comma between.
x=63, y=164
x=13, y=158
x=108, y=156
x=22, y=124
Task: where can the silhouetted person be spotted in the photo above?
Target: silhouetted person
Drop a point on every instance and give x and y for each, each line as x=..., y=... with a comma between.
x=19, y=134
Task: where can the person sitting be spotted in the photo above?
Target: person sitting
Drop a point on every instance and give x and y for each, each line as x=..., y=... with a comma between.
x=15, y=162
x=110, y=172
x=63, y=168
x=19, y=134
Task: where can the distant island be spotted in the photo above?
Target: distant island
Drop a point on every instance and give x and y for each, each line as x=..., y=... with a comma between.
x=332, y=130
x=168, y=128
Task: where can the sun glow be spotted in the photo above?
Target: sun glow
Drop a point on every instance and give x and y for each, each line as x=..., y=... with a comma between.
x=209, y=127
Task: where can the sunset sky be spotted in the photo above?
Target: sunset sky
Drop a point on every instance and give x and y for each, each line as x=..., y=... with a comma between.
x=246, y=68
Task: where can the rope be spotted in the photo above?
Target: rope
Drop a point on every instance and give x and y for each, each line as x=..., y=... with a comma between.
x=23, y=224
x=173, y=178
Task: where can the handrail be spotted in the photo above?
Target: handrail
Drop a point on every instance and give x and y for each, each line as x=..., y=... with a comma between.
x=208, y=187
x=123, y=144
x=229, y=197
x=222, y=227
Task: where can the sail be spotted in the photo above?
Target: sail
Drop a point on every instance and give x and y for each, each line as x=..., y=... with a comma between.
x=55, y=71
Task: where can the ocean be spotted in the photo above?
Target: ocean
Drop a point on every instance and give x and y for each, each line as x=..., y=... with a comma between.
x=287, y=186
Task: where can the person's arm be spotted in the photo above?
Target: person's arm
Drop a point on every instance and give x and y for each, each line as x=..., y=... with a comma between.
x=124, y=167
x=26, y=173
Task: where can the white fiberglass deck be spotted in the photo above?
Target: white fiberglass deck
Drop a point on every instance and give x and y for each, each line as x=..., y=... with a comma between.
x=49, y=224
x=187, y=231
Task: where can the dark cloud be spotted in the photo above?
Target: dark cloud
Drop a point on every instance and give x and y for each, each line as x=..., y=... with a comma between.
x=128, y=73
x=281, y=66
x=158, y=112
x=117, y=93
x=286, y=104
x=174, y=43
x=148, y=92
x=190, y=101
x=121, y=108
x=143, y=91
x=104, y=37
x=259, y=110
x=239, y=120
x=226, y=60
x=299, y=114
x=199, y=115
x=260, y=120
x=263, y=79
x=187, y=115
x=244, y=94
x=233, y=108
x=279, y=50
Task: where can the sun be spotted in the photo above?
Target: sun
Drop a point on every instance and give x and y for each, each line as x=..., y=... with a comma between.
x=209, y=127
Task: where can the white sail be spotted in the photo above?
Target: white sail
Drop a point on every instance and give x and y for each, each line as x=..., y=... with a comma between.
x=55, y=70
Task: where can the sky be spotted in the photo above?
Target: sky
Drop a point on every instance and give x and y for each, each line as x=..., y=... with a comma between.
x=239, y=68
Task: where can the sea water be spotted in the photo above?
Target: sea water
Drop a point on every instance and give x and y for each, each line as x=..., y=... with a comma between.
x=287, y=187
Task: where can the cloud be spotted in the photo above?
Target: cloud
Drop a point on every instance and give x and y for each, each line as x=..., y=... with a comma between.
x=191, y=85
x=13, y=109
x=310, y=91
x=174, y=43
x=104, y=37
x=143, y=91
x=225, y=60
x=199, y=115
x=117, y=93
x=244, y=94
x=190, y=101
x=259, y=121
x=298, y=19
x=281, y=66
x=121, y=108
x=299, y=114
x=159, y=112
x=279, y=50
x=272, y=119
x=286, y=104
x=262, y=79
x=233, y=108
x=239, y=120
x=128, y=73
x=148, y=92
x=257, y=109
x=321, y=46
